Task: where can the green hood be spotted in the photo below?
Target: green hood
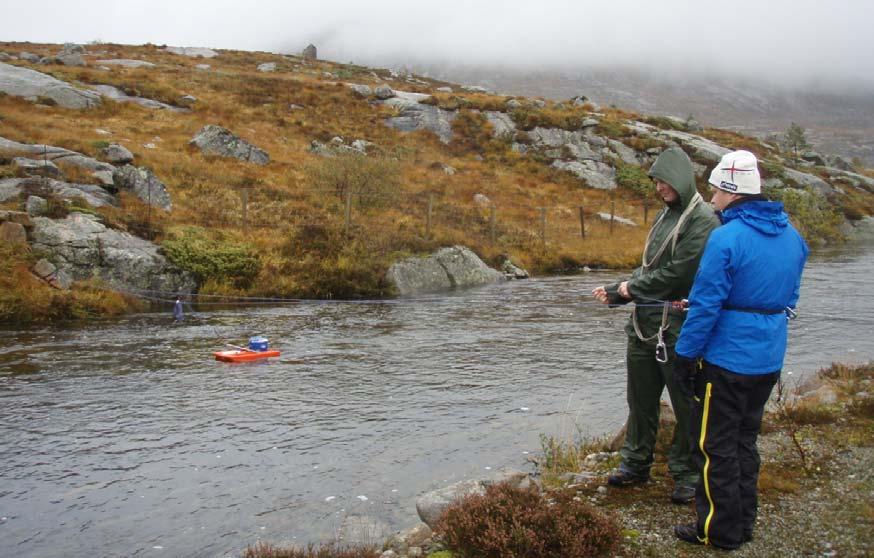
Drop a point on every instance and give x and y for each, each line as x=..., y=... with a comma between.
x=674, y=167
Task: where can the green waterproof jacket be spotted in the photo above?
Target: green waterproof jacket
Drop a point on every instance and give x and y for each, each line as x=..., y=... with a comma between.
x=670, y=276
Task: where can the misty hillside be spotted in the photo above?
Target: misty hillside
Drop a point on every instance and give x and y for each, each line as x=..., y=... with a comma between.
x=157, y=170
x=841, y=123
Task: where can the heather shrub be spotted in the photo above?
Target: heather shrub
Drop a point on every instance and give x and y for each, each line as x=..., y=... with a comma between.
x=634, y=179
x=511, y=522
x=374, y=182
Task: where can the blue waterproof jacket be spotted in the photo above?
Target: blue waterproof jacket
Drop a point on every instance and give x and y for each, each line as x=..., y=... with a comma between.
x=752, y=262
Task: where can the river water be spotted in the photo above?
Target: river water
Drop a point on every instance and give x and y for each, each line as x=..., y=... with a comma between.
x=125, y=438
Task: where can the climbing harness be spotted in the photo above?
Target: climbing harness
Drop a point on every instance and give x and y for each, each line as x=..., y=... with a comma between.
x=661, y=352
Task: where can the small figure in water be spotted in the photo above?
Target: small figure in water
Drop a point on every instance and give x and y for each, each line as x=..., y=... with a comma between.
x=177, y=309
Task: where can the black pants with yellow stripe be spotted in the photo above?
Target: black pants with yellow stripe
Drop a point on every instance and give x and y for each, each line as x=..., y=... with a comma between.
x=726, y=419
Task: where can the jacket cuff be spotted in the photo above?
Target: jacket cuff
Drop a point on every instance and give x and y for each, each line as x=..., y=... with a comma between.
x=613, y=298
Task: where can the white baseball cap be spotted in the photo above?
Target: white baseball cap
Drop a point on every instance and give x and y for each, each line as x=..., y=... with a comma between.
x=738, y=173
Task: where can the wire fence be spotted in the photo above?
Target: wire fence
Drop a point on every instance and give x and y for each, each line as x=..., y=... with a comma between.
x=498, y=221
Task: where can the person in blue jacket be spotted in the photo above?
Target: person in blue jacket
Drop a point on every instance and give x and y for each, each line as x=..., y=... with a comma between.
x=731, y=348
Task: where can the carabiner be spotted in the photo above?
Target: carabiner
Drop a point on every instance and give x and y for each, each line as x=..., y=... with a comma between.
x=661, y=353
x=791, y=314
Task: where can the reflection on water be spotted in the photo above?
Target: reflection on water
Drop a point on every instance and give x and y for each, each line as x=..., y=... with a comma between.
x=118, y=437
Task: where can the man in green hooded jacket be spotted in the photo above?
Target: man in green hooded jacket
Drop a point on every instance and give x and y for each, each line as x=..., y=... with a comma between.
x=670, y=259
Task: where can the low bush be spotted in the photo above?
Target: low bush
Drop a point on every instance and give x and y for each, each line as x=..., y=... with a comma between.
x=374, y=182
x=634, y=179
x=212, y=259
x=811, y=214
x=612, y=128
x=512, y=522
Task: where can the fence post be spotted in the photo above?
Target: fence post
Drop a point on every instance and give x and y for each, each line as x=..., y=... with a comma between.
x=348, y=216
x=493, y=222
x=645, y=210
x=543, y=225
x=244, y=194
x=582, y=223
x=428, y=216
x=612, y=214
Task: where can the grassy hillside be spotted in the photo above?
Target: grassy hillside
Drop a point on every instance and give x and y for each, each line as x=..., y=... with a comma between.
x=295, y=241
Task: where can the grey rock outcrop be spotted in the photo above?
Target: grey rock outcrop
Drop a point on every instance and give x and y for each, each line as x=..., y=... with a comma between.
x=511, y=271
x=127, y=63
x=111, y=92
x=35, y=206
x=702, y=147
x=337, y=147
x=501, y=122
x=841, y=163
x=58, y=155
x=193, y=52
x=48, y=272
x=814, y=157
x=267, y=67
x=310, y=53
x=144, y=184
x=448, y=268
x=413, y=115
x=93, y=195
x=361, y=90
x=36, y=167
x=117, y=154
x=82, y=247
x=215, y=140
x=384, y=92
x=28, y=57
x=71, y=55
x=809, y=180
x=32, y=85
x=596, y=174
x=430, y=506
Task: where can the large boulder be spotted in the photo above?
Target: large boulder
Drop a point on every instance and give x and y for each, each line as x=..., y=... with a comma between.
x=32, y=85
x=36, y=167
x=448, y=268
x=596, y=174
x=361, y=90
x=215, y=140
x=83, y=248
x=413, y=115
x=143, y=182
x=71, y=55
x=117, y=154
x=703, y=148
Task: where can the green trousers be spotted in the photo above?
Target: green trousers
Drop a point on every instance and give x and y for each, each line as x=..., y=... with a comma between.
x=647, y=379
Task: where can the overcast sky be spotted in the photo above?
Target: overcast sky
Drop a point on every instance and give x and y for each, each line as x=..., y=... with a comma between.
x=783, y=40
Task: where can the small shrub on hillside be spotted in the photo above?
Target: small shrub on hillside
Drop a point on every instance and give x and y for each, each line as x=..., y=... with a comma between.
x=510, y=522
x=811, y=214
x=373, y=182
x=214, y=259
x=56, y=208
x=634, y=179
x=264, y=550
x=665, y=123
x=612, y=128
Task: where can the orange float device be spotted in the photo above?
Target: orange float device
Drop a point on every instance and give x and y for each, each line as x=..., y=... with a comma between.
x=244, y=356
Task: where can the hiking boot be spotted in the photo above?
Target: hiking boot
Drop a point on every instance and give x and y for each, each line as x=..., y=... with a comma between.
x=688, y=533
x=683, y=494
x=626, y=478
